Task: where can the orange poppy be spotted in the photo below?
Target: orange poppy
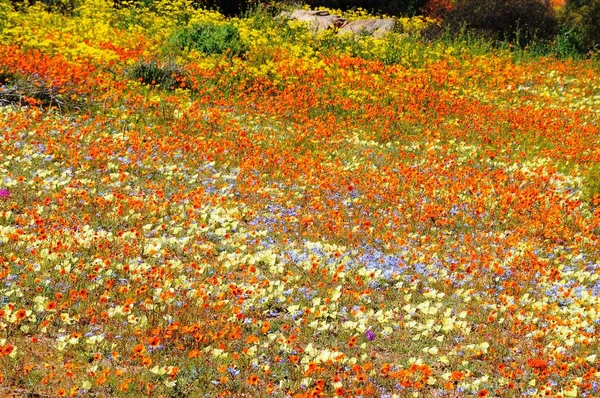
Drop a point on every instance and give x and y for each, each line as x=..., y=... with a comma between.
x=7, y=349
x=21, y=314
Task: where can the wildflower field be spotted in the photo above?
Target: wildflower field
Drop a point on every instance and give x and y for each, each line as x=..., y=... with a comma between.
x=194, y=206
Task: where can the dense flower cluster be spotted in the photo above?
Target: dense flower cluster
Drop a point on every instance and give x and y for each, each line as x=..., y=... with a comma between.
x=324, y=216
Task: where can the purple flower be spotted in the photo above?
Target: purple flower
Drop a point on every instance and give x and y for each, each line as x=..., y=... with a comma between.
x=4, y=193
x=370, y=335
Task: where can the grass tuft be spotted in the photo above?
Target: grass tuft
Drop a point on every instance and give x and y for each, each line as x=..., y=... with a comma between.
x=164, y=75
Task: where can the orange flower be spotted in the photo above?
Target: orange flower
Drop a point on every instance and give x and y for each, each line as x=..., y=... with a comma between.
x=194, y=354
x=153, y=341
x=21, y=314
x=82, y=293
x=457, y=375
x=483, y=393
x=265, y=327
x=7, y=349
x=172, y=371
x=253, y=380
x=385, y=369
x=352, y=341
x=251, y=339
x=312, y=367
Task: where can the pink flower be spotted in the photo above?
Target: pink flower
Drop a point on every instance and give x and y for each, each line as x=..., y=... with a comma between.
x=4, y=193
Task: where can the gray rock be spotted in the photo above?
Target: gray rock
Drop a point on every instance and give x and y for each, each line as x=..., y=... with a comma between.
x=283, y=15
x=375, y=27
x=319, y=20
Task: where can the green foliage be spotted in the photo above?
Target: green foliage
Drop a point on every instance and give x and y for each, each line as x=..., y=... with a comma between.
x=568, y=43
x=591, y=185
x=165, y=75
x=265, y=16
x=467, y=40
x=209, y=38
x=520, y=22
x=5, y=7
x=582, y=20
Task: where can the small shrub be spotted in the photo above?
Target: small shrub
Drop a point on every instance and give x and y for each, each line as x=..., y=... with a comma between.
x=229, y=8
x=582, y=20
x=591, y=185
x=8, y=93
x=437, y=8
x=5, y=8
x=520, y=22
x=19, y=90
x=591, y=26
x=5, y=77
x=209, y=38
x=568, y=43
x=166, y=75
x=65, y=7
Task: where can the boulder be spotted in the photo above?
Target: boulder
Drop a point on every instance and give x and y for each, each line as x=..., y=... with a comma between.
x=319, y=20
x=373, y=26
x=284, y=15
